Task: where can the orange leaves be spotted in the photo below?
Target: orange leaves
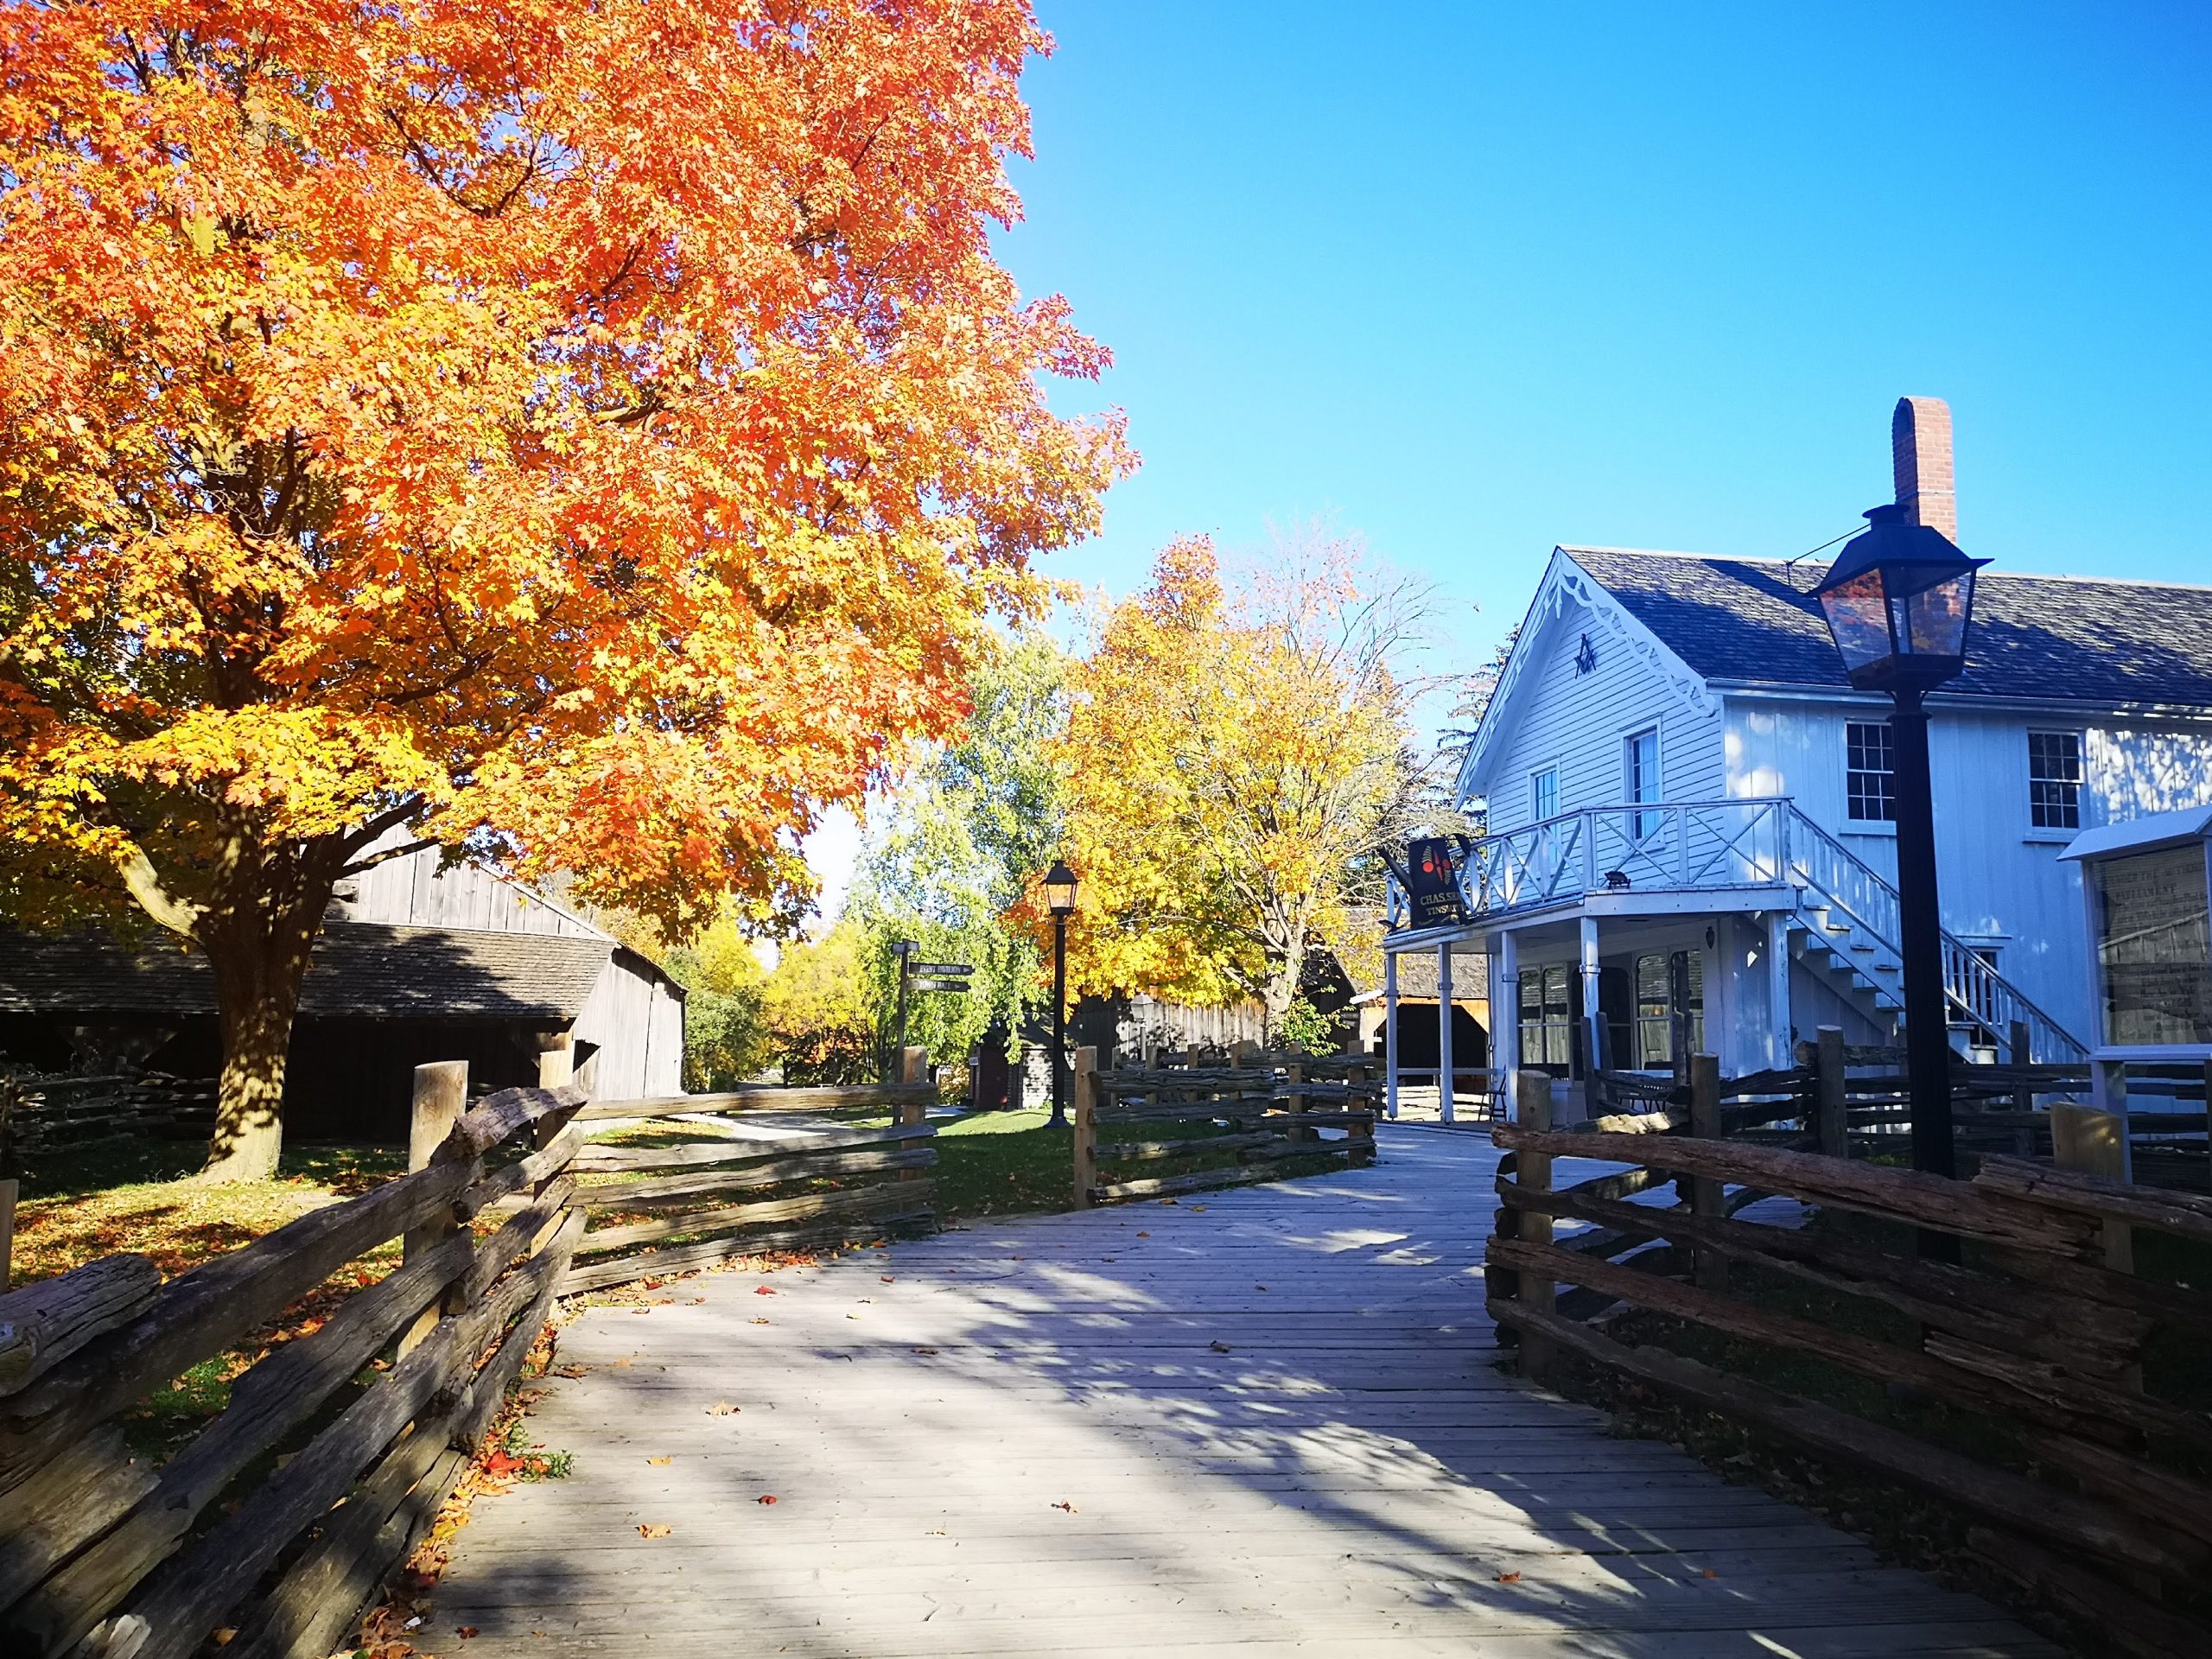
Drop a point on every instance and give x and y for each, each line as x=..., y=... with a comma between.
x=604, y=428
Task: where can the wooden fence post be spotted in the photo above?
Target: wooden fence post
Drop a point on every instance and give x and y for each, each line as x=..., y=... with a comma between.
x=8, y=1190
x=1085, y=1118
x=2023, y=1098
x=2094, y=1141
x=1356, y=1099
x=1532, y=1110
x=913, y=1068
x=440, y=1097
x=1292, y=1075
x=1829, y=1123
x=1706, y=1195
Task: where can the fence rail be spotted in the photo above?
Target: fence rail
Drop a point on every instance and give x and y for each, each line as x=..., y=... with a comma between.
x=290, y=1507
x=2085, y=1479
x=1246, y=1114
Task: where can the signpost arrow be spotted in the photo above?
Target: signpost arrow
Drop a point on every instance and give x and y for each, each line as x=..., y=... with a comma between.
x=950, y=969
x=940, y=985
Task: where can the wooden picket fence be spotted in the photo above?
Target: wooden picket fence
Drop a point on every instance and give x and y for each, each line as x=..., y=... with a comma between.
x=2041, y=1330
x=1256, y=1113
x=292, y=1506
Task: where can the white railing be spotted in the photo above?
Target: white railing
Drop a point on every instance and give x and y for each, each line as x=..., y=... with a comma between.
x=1711, y=846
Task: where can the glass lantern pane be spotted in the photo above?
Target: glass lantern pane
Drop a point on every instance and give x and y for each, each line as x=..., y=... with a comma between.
x=1858, y=619
x=1936, y=619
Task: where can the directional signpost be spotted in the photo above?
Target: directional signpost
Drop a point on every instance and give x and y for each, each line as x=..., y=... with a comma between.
x=922, y=977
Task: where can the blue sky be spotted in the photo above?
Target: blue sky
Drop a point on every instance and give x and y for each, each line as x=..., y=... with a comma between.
x=1476, y=279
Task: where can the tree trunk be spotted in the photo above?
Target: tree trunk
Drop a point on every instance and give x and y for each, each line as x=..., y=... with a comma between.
x=259, y=937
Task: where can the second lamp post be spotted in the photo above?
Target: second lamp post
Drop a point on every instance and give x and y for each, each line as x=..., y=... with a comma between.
x=1059, y=898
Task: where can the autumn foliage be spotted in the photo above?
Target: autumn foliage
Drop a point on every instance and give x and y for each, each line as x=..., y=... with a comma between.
x=1237, y=750
x=591, y=435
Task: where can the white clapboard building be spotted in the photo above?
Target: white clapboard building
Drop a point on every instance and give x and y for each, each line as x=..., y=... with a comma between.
x=1690, y=813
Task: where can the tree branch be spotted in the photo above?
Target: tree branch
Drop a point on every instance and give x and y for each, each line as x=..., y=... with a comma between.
x=144, y=883
x=384, y=857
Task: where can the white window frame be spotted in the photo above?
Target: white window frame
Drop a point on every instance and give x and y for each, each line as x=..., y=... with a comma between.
x=2057, y=832
x=1853, y=822
x=1642, y=824
x=1537, y=813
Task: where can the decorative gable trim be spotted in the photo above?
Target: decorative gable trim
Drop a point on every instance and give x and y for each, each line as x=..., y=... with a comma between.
x=1612, y=628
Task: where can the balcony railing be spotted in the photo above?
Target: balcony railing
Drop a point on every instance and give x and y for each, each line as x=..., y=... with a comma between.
x=1691, y=847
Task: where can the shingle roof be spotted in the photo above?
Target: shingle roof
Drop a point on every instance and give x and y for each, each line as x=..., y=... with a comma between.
x=1417, y=977
x=360, y=969
x=2065, y=637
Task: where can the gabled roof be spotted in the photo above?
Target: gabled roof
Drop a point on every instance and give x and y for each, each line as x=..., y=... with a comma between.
x=2070, y=639
x=359, y=971
x=2143, y=834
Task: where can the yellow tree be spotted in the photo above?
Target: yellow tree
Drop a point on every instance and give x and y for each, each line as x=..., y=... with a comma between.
x=588, y=434
x=1234, y=756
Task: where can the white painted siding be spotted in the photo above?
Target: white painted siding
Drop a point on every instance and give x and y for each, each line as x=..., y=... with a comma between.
x=1580, y=723
x=2002, y=880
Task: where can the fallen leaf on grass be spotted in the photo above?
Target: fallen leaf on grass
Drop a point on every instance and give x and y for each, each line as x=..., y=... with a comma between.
x=767, y=1497
x=722, y=1408
x=653, y=1529
x=656, y=1462
x=1509, y=1577
x=1070, y=1508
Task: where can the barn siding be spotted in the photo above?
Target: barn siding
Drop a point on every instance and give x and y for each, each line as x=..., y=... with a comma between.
x=414, y=892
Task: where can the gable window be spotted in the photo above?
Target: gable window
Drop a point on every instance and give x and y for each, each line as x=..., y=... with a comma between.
x=1640, y=774
x=1543, y=793
x=1870, y=778
x=2055, y=780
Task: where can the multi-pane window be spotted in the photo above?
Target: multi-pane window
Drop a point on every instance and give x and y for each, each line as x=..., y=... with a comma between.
x=2055, y=780
x=1870, y=778
x=1640, y=768
x=1547, y=1021
x=1668, y=987
x=1543, y=791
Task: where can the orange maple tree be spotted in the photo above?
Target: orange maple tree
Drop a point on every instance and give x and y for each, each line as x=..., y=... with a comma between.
x=589, y=434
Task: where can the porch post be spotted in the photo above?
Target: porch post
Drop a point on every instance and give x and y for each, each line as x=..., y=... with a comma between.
x=1593, y=1021
x=1505, y=1029
x=1444, y=1030
x=1390, y=1032
x=1781, y=1052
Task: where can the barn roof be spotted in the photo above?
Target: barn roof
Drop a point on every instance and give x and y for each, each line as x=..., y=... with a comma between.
x=360, y=971
x=2067, y=638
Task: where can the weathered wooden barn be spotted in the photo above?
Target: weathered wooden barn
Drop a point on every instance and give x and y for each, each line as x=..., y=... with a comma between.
x=415, y=963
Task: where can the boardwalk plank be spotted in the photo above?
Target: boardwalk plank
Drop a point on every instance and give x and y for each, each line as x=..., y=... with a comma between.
x=1331, y=1465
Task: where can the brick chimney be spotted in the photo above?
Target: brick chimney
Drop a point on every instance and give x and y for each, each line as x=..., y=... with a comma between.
x=1919, y=452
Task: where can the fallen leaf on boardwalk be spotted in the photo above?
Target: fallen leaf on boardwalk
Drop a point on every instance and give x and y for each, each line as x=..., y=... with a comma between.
x=759, y=1321
x=1144, y=1234
x=851, y=1315
x=229, y=1633
x=569, y=1371
x=653, y=1529
x=1070, y=1508
x=886, y=1278
x=1259, y=1286
x=625, y=1362
x=767, y=1497
x=764, y=1290
x=657, y=1461
x=1710, y=1574
x=1220, y=1347
x=925, y=1350
x=721, y=1409
x=1509, y=1577
x=1171, y=1200
x=698, y=1301
x=465, y=1631
x=1196, y=1207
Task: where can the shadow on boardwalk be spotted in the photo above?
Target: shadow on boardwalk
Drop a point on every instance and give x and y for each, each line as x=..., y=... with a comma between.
x=1267, y=1421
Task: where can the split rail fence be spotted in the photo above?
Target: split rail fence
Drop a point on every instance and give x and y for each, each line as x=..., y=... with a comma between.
x=2075, y=1431
x=291, y=1506
x=1237, y=1121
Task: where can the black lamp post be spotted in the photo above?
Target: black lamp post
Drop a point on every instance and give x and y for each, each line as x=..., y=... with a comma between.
x=1059, y=898
x=1899, y=599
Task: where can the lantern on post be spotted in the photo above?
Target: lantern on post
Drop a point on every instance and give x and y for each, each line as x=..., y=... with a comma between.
x=1059, y=898
x=1899, y=604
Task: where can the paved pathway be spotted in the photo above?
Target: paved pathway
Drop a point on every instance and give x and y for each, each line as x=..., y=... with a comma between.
x=1267, y=1421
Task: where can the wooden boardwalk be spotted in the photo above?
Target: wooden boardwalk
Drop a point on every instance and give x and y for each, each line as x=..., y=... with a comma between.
x=1266, y=1420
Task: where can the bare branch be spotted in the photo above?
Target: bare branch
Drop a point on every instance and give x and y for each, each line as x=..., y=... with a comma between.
x=144, y=883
